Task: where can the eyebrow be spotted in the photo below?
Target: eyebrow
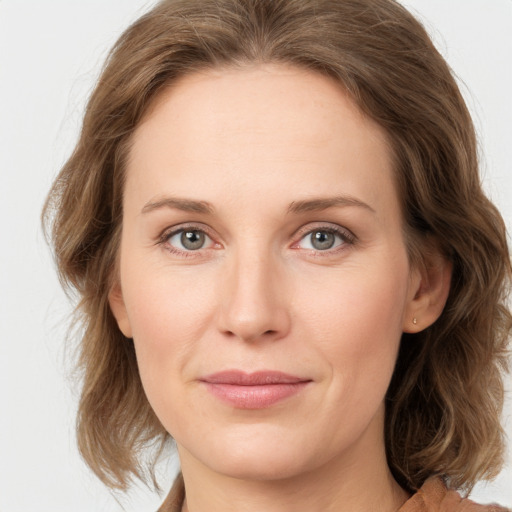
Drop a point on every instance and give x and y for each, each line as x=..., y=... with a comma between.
x=310, y=205
x=323, y=203
x=186, y=205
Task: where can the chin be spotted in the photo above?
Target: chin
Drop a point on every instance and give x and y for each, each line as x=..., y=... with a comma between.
x=258, y=454
x=260, y=466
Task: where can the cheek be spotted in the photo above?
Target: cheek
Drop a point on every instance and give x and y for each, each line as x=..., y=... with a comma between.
x=161, y=302
x=357, y=321
x=168, y=313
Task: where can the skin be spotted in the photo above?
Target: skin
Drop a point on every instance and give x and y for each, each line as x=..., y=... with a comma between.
x=258, y=144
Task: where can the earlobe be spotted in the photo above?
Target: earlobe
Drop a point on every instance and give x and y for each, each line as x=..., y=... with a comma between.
x=118, y=308
x=430, y=286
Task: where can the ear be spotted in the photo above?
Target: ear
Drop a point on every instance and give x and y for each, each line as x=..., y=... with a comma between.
x=429, y=288
x=118, y=308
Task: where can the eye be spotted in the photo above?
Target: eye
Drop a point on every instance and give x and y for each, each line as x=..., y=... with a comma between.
x=188, y=240
x=324, y=239
x=321, y=240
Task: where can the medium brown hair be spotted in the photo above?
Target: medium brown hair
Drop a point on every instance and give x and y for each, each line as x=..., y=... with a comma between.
x=445, y=399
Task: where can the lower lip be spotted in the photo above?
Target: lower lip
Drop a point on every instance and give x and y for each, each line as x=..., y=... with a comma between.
x=254, y=397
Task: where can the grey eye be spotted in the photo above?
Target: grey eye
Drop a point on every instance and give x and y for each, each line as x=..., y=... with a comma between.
x=322, y=240
x=188, y=240
x=192, y=240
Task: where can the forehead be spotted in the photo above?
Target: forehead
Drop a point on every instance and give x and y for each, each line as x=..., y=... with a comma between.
x=261, y=99
x=254, y=126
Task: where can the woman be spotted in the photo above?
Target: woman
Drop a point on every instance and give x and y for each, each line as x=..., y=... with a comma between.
x=274, y=220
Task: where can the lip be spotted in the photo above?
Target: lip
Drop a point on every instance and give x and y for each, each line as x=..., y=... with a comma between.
x=257, y=390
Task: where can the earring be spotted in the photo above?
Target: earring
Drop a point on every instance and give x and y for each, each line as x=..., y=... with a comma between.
x=414, y=321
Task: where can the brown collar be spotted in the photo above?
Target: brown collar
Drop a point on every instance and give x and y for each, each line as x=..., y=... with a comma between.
x=432, y=497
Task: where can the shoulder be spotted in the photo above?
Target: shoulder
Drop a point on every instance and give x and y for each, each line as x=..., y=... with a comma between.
x=435, y=497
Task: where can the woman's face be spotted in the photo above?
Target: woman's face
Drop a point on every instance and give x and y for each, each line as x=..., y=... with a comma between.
x=264, y=277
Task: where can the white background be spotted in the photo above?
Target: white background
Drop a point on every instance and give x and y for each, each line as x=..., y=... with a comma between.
x=50, y=55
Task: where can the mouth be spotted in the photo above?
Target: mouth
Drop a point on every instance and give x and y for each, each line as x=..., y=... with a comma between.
x=258, y=390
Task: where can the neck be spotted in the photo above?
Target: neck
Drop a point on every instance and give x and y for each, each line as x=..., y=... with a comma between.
x=353, y=482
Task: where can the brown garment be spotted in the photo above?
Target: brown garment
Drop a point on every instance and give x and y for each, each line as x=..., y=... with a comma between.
x=432, y=497
x=435, y=497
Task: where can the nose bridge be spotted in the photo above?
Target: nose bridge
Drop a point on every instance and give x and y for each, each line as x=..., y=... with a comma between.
x=254, y=304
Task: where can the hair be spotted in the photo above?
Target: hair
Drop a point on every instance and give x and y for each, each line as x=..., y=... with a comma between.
x=444, y=403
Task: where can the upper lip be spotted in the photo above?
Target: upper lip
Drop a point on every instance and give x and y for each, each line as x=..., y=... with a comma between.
x=259, y=378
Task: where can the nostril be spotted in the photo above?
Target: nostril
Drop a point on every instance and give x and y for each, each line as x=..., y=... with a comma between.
x=252, y=336
x=244, y=319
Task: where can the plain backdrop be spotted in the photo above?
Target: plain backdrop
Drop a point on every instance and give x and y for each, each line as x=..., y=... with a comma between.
x=50, y=56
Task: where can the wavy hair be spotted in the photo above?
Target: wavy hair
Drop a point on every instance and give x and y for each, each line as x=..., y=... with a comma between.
x=444, y=403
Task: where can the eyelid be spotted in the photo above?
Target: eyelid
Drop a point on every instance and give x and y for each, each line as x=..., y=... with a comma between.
x=183, y=226
x=169, y=232
x=345, y=234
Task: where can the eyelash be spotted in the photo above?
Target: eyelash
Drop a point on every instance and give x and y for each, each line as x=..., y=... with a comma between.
x=164, y=238
x=347, y=239
x=346, y=236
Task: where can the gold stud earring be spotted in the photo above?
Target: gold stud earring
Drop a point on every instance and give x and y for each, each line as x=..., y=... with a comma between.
x=414, y=321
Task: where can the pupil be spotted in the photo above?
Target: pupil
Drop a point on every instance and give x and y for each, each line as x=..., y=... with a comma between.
x=322, y=240
x=192, y=240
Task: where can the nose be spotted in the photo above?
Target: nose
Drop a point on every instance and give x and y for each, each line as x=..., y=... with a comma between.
x=254, y=304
